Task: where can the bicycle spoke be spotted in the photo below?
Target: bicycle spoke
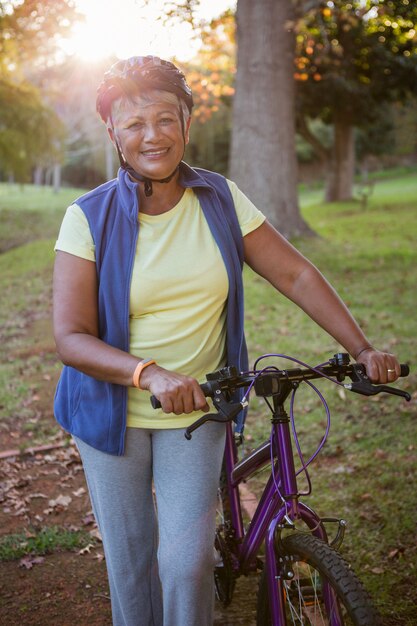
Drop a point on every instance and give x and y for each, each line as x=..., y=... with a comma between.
x=305, y=601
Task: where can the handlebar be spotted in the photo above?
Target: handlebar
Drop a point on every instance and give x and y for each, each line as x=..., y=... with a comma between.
x=276, y=383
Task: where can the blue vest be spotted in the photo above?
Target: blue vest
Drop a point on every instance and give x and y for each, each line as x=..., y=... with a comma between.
x=93, y=410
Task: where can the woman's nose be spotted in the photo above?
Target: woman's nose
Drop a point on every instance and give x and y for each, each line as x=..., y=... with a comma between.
x=151, y=131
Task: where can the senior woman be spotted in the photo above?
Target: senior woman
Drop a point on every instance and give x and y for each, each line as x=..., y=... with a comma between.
x=148, y=298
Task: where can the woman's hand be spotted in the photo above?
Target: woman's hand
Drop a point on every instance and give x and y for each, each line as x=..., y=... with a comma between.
x=177, y=393
x=381, y=367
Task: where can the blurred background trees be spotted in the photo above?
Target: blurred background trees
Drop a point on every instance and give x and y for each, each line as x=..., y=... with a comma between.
x=352, y=60
x=31, y=132
x=300, y=91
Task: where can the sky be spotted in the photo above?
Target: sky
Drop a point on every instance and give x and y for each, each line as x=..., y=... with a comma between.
x=130, y=27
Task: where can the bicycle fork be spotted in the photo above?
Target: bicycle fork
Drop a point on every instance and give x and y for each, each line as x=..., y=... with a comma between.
x=291, y=510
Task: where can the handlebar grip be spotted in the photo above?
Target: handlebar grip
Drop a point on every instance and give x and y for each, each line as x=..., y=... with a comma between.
x=405, y=370
x=155, y=402
x=205, y=388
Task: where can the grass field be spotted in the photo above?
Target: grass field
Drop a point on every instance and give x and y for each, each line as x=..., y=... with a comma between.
x=367, y=470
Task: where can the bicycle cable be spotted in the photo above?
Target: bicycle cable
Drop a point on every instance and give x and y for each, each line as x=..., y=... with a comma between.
x=304, y=465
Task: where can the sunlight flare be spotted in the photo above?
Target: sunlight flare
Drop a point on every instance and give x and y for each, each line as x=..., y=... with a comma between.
x=126, y=28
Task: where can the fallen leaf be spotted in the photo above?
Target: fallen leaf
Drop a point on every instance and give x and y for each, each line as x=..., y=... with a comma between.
x=95, y=533
x=377, y=570
x=86, y=550
x=60, y=501
x=393, y=553
x=29, y=561
x=343, y=469
x=88, y=519
x=48, y=511
x=32, y=496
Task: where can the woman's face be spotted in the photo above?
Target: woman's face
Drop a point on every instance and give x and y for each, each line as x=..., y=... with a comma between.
x=150, y=135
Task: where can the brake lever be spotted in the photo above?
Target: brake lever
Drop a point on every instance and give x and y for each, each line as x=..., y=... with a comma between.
x=368, y=389
x=209, y=417
x=226, y=412
x=362, y=385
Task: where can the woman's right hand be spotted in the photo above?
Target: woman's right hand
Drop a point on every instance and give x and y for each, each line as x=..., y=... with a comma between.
x=177, y=393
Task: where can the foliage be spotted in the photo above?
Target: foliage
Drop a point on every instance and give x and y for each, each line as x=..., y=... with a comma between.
x=86, y=136
x=351, y=56
x=30, y=132
x=211, y=75
x=29, y=30
x=376, y=137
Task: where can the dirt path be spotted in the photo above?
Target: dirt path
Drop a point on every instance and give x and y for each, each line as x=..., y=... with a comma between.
x=66, y=588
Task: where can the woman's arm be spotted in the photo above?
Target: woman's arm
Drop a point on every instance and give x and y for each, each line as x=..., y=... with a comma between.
x=75, y=318
x=273, y=257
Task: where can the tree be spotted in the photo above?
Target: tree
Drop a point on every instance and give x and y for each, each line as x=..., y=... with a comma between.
x=71, y=90
x=352, y=58
x=211, y=76
x=31, y=133
x=29, y=30
x=263, y=158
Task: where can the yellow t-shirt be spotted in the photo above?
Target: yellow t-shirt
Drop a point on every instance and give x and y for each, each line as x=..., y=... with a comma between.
x=178, y=293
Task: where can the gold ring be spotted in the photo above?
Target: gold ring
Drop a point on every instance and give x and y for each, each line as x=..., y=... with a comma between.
x=390, y=371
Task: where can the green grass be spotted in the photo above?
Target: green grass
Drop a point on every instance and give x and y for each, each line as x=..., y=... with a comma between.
x=366, y=470
x=45, y=541
x=29, y=212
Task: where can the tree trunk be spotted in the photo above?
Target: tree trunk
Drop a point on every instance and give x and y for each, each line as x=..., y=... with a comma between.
x=263, y=159
x=341, y=166
x=38, y=175
x=56, y=177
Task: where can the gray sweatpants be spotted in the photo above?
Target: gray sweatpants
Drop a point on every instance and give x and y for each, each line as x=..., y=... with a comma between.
x=173, y=557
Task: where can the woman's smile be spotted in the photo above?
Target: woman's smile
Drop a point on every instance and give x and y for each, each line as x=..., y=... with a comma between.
x=155, y=154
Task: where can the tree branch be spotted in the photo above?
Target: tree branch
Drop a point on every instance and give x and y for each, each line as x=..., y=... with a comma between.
x=302, y=128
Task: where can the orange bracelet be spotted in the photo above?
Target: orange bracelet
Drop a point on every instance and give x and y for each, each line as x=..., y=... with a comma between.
x=138, y=371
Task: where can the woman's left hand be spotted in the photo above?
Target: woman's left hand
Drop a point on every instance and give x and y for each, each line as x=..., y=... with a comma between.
x=381, y=367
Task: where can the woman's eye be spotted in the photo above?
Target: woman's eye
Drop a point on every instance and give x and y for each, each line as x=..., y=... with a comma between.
x=167, y=120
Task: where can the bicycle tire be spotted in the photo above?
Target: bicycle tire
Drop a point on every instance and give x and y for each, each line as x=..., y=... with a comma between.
x=313, y=562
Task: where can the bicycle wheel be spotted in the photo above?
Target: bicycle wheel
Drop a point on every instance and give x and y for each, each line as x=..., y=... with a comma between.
x=224, y=576
x=323, y=591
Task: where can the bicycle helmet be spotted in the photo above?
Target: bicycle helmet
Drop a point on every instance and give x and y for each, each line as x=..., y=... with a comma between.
x=148, y=72
x=128, y=77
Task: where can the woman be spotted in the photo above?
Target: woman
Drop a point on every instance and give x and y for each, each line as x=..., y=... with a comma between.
x=148, y=298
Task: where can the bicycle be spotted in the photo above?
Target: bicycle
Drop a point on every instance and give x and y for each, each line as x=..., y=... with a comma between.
x=304, y=580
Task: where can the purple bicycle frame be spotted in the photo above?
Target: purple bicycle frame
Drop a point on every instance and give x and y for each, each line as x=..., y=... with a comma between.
x=271, y=514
